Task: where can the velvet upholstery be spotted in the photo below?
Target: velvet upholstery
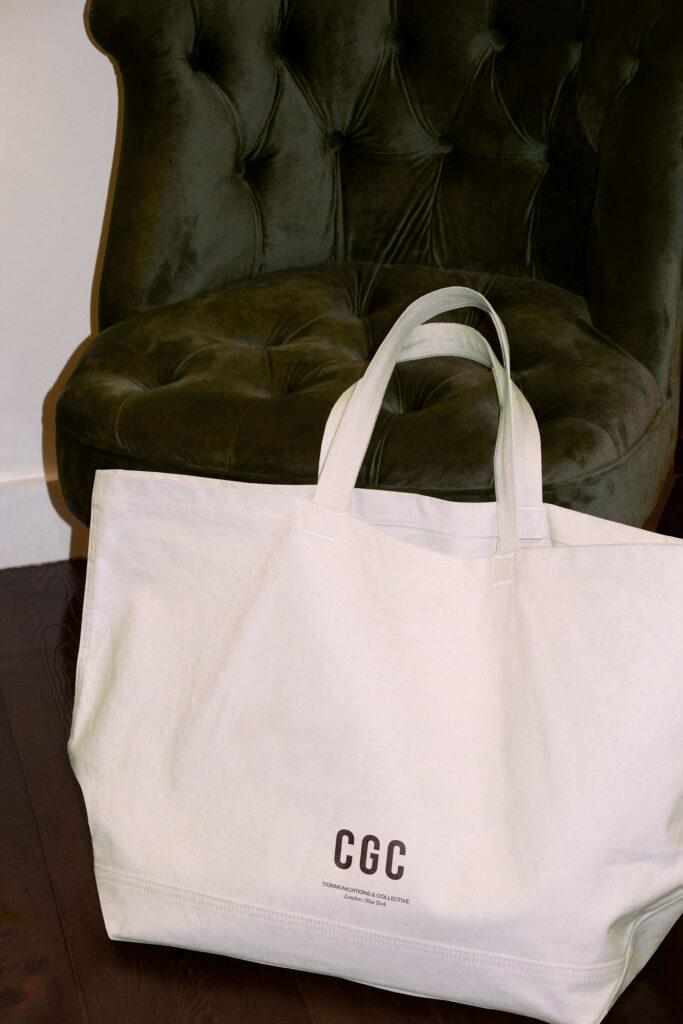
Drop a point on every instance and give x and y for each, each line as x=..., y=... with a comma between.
x=292, y=174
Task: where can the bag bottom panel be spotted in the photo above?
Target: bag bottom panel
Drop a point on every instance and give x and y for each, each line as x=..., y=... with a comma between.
x=142, y=910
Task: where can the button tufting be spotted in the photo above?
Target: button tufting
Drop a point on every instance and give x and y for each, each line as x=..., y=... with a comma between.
x=278, y=47
x=336, y=141
x=394, y=38
x=540, y=152
x=497, y=40
x=444, y=144
x=240, y=167
x=204, y=57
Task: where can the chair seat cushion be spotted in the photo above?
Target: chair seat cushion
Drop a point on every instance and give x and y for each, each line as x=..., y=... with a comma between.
x=239, y=385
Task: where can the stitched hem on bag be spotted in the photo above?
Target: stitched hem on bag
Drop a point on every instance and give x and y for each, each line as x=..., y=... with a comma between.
x=314, y=924
x=635, y=925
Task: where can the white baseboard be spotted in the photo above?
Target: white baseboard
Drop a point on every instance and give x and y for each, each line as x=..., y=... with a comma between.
x=35, y=525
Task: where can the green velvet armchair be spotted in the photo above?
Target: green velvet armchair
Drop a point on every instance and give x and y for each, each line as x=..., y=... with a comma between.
x=293, y=173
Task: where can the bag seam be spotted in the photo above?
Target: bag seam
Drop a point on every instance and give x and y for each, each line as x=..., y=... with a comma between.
x=312, y=924
x=223, y=517
x=227, y=516
x=629, y=951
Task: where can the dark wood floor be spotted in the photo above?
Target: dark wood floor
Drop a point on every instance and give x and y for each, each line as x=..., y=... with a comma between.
x=57, y=964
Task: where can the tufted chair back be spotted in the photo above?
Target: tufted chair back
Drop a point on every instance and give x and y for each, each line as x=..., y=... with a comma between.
x=526, y=137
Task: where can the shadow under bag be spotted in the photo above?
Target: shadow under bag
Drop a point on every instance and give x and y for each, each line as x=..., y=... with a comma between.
x=431, y=746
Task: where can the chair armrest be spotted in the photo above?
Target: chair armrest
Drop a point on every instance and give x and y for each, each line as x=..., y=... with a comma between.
x=181, y=223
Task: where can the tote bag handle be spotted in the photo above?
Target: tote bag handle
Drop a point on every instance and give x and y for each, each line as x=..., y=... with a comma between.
x=352, y=436
x=450, y=339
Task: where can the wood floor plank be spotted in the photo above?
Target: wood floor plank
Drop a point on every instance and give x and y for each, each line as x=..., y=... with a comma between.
x=38, y=652
x=36, y=980
x=643, y=1003
x=334, y=1001
x=53, y=602
x=39, y=717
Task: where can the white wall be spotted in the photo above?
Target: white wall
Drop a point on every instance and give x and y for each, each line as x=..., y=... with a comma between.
x=58, y=109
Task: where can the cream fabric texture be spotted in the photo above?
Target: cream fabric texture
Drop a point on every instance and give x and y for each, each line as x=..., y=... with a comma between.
x=435, y=747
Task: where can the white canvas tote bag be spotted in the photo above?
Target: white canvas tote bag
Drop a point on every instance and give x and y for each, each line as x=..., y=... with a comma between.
x=431, y=746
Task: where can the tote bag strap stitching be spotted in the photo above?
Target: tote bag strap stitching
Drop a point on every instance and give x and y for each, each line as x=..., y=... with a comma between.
x=348, y=448
x=436, y=339
x=379, y=370
x=376, y=378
